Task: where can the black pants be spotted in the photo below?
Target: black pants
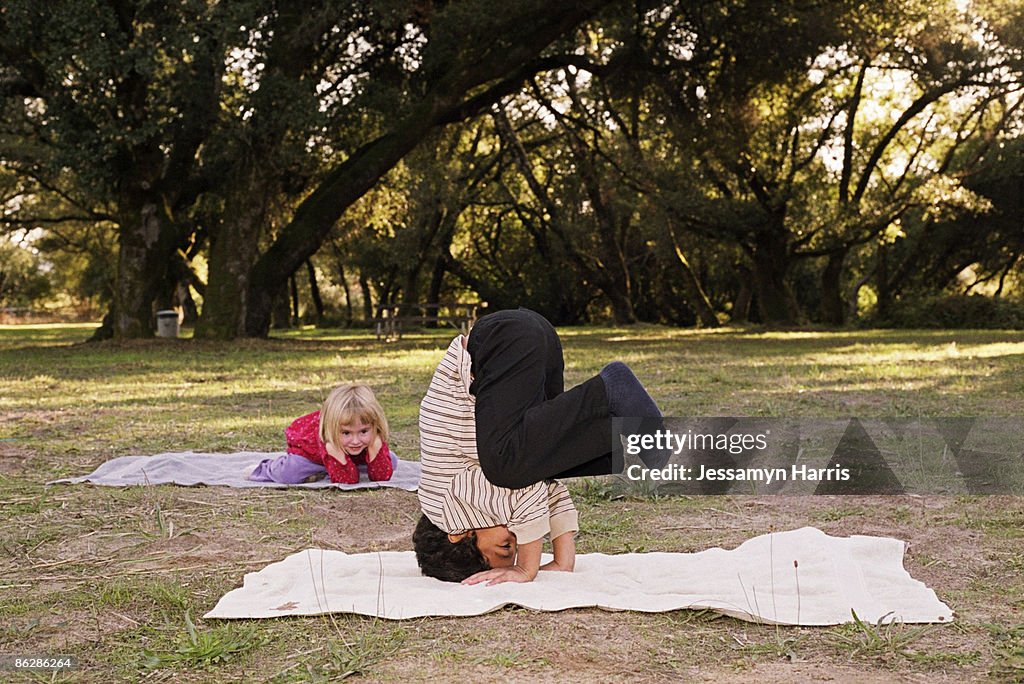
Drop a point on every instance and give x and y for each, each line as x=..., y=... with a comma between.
x=529, y=429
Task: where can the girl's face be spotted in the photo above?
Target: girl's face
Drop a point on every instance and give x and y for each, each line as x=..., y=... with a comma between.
x=356, y=436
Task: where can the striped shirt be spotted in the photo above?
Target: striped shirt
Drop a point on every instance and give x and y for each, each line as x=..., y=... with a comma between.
x=454, y=493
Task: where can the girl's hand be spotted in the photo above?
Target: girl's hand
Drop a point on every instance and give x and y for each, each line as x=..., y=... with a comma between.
x=336, y=453
x=374, y=450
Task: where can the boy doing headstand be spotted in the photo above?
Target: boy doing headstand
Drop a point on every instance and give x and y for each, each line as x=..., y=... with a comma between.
x=485, y=514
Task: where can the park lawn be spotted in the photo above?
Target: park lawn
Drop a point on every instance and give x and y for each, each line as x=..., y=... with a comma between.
x=120, y=577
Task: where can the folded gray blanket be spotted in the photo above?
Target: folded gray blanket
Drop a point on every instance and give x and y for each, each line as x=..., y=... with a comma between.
x=229, y=470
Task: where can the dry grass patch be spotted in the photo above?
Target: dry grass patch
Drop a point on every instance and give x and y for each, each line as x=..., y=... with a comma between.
x=119, y=577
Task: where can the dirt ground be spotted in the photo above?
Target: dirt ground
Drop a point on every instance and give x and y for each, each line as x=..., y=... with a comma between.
x=203, y=539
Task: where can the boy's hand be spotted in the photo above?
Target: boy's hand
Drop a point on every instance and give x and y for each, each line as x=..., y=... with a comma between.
x=564, y=547
x=525, y=569
x=513, y=573
x=554, y=566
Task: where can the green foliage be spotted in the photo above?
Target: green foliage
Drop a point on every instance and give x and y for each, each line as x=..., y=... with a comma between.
x=957, y=311
x=87, y=263
x=650, y=150
x=23, y=283
x=111, y=83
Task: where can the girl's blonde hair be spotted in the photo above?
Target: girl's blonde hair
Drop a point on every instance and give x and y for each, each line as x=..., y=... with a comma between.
x=348, y=404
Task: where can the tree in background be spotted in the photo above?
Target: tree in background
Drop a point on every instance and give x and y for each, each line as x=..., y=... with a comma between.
x=130, y=96
x=111, y=103
x=472, y=54
x=635, y=161
x=863, y=116
x=22, y=281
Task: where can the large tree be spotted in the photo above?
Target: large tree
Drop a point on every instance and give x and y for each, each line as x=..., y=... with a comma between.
x=862, y=116
x=213, y=117
x=657, y=165
x=472, y=54
x=110, y=103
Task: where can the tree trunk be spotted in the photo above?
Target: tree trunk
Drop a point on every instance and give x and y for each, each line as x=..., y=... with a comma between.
x=772, y=261
x=436, y=280
x=106, y=329
x=147, y=241
x=833, y=310
x=410, y=286
x=293, y=288
x=694, y=292
x=233, y=250
x=884, y=304
x=343, y=279
x=189, y=308
x=282, y=314
x=854, y=298
x=744, y=298
x=364, y=287
x=181, y=279
x=622, y=306
x=314, y=292
x=613, y=278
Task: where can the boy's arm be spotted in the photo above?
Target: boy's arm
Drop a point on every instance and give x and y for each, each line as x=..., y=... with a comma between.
x=526, y=567
x=564, y=547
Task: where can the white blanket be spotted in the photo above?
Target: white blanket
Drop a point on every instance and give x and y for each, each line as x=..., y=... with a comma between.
x=800, y=577
x=230, y=470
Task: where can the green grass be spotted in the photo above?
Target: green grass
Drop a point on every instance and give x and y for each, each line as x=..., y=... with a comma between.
x=881, y=638
x=118, y=576
x=199, y=649
x=1009, y=661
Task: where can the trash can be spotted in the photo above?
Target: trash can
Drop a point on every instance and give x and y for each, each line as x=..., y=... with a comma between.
x=167, y=323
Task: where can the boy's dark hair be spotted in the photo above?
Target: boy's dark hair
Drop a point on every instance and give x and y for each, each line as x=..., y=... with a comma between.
x=442, y=559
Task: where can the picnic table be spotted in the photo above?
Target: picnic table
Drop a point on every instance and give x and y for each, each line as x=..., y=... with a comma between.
x=391, y=318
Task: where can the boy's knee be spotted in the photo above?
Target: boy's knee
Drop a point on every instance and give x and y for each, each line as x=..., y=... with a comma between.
x=501, y=474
